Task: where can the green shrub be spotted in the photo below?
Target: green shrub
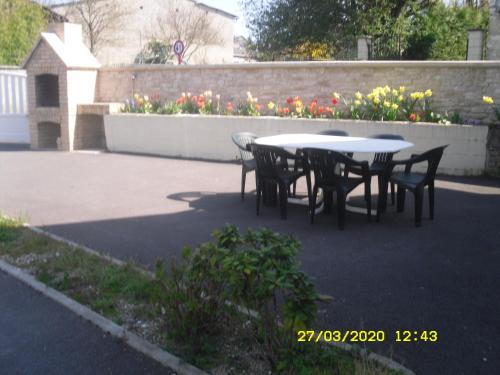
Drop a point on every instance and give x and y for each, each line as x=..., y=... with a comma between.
x=257, y=273
x=194, y=296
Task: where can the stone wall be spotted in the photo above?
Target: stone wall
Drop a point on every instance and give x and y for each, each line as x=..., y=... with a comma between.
x=493, y=42
x=493, y=151
x=457, y=85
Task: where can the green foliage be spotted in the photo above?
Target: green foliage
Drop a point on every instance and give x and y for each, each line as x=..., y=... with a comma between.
x=21, y=21
x=194, y=296
x=403, y=29
x=155, y=52
x=441, y=33
x=257, y=271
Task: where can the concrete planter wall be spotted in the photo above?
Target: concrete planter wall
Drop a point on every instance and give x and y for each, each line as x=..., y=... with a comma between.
x=209, y=137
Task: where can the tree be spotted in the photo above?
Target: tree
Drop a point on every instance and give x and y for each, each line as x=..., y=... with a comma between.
x=101, y=20
x=184, y=21
x=280, y=26
x=441, y=34
x=155, y=52
x=21, y=22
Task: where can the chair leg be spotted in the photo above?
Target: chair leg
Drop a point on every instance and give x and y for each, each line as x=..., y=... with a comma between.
x=392, y=193
x=401, y=199
x=327, y=201
x=283, y=193
x=312, y=203
x=340, y=209
x=431, y=199
x=243, y=180
x=382, y=196
x=368, y=199
x=419, y=194
x=259, y=194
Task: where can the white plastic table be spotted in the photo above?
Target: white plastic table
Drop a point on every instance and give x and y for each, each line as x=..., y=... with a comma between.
x=335, y=143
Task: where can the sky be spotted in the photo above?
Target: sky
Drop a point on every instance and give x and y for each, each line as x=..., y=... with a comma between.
x=230, y=6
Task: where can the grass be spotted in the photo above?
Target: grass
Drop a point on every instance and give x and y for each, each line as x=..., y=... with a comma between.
x=129, y=297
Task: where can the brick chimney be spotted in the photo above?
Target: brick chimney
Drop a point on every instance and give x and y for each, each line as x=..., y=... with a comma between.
x=69, y=33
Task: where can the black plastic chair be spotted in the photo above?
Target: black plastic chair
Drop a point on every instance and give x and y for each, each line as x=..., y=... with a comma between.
x=382, y=159
x=325, y=166
x=378, y=167
x=273, y=169
x=416, y=182
x=338, y=133
x=242, y=140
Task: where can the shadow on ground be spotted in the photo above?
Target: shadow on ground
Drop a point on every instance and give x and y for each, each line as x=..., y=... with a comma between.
x=383, y=276
x=386, y=276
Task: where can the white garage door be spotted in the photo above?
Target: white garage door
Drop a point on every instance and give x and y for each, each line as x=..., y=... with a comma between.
x=13, y=107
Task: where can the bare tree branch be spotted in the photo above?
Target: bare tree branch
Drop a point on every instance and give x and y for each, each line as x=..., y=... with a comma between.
x=101, y=20
x=184, y=21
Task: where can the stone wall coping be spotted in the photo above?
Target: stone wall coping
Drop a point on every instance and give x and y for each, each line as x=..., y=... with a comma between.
x=312, y=64
x=319, y=120
x=98, y=108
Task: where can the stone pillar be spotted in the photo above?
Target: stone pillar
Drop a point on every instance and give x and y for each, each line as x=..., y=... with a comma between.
x=364, y=48
x=475, y=45
x=493, y=43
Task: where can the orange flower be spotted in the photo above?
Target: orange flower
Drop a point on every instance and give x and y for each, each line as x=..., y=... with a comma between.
x=229, y=107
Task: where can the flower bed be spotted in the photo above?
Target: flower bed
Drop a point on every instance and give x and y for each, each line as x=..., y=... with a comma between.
x=381, y=104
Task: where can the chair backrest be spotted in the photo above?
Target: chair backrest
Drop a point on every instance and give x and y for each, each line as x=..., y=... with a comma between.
x=326, y=165
x=271, y=160
x=338, y=133
x=385, y=157
x=242, y=140
x=432, y=157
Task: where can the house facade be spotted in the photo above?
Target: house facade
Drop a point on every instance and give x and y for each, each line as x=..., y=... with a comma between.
x=132, y=24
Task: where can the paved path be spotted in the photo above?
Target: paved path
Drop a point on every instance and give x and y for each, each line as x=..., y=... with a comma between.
x=38, y=336
x=384, y=276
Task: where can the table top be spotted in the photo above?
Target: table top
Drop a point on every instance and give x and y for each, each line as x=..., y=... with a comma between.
x=335, y=143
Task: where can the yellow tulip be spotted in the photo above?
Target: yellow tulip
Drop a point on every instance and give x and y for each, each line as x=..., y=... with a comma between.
x=358, y=95
x=271, y=106
x=394, y=92
x=488, y=100
x=394, y=106
x=428, y=93
x=357, y=103
x=387, y=104
x=401, y=98
x=376, y=100
x=402, y=89
x=336, y=95
x=298, y=109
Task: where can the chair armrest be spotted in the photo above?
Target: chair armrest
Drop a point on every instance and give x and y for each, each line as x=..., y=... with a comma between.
x=408, y=163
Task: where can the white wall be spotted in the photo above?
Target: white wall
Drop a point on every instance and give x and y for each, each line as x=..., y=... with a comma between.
x=14, y=126
x=123, y=42
x=209, y=137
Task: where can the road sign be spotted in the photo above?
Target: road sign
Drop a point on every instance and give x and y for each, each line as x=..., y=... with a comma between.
x=179, y=50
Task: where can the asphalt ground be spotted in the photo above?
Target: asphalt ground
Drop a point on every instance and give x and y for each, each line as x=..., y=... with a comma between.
x=386, y=276
x=39, y=336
